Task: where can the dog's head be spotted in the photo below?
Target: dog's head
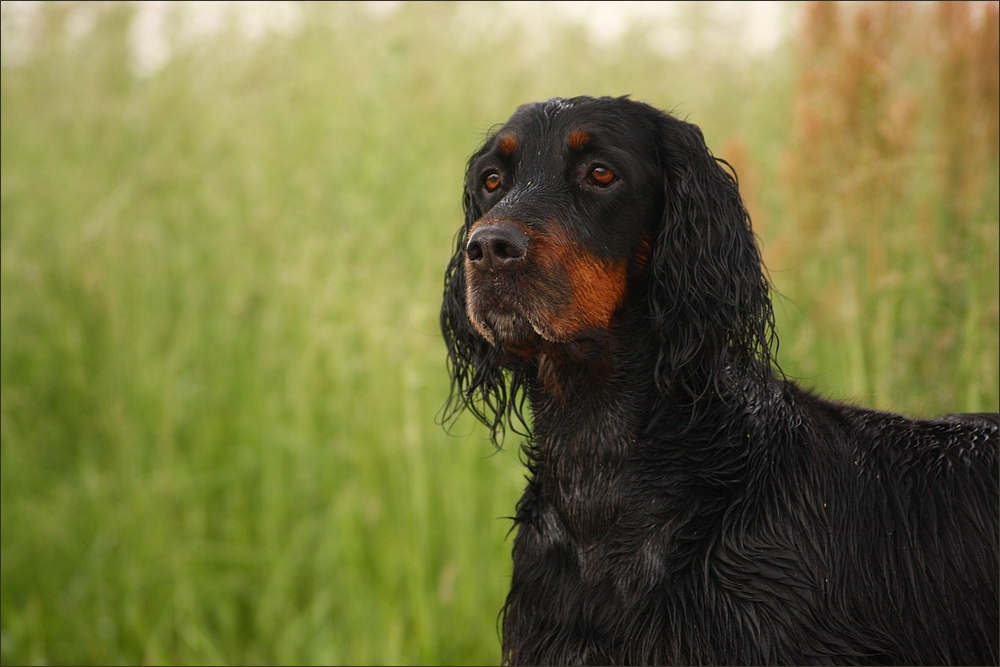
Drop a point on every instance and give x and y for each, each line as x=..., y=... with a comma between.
x=561, y=204
x=576, y=209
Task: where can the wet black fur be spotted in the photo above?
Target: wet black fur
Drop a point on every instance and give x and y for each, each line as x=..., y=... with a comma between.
x=688, y=504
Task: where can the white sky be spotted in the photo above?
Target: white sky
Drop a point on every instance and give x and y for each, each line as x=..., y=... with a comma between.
x=750, y=27
x=762, y=22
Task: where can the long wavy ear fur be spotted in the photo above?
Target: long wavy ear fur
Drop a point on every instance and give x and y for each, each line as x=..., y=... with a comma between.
x=479, y=381
x=708, y=294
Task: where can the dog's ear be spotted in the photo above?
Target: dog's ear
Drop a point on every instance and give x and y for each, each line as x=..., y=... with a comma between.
x=479, y=382
x=708, y=294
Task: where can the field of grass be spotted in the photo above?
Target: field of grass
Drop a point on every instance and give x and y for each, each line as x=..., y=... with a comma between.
x=220, y=362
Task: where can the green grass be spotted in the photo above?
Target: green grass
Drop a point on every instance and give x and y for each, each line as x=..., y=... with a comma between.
x=221, y=362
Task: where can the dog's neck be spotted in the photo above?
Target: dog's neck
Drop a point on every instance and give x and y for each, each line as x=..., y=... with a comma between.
x=588, y=415
x=592, y=418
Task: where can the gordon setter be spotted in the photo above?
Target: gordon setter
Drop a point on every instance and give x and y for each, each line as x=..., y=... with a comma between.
x=686, y=502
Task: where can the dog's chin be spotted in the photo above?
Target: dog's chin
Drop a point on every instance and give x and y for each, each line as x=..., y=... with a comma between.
x=510, y=332
x=524, y=337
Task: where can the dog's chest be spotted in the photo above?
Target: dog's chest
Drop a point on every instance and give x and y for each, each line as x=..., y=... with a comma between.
x=590, y=498
x=591, y=536
x=593, y=504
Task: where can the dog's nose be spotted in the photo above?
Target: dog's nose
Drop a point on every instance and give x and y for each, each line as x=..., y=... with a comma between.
x=496, y=247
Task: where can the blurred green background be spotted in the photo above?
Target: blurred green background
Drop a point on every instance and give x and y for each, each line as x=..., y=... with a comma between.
x=223, y=241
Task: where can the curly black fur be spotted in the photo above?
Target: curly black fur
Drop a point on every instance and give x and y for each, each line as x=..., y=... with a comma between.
x=687, y=504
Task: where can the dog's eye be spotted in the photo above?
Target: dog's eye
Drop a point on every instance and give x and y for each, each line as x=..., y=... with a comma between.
x=492, y=181
x=601, y=176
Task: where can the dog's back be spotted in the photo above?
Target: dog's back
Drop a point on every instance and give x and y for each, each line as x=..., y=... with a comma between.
x=910, y=511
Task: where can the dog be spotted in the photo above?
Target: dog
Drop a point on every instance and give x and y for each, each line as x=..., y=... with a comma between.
x=686, y=502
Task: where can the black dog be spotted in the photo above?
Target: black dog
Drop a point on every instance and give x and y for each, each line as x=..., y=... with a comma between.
x=688, y=504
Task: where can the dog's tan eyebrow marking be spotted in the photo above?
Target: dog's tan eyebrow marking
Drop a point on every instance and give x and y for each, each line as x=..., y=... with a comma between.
x=578, y=139
x=507, y=145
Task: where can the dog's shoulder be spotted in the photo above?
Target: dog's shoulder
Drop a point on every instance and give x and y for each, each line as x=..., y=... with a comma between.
x=870, y=438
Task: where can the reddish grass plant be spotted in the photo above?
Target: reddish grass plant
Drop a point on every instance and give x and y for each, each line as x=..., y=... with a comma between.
x=891, y=176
